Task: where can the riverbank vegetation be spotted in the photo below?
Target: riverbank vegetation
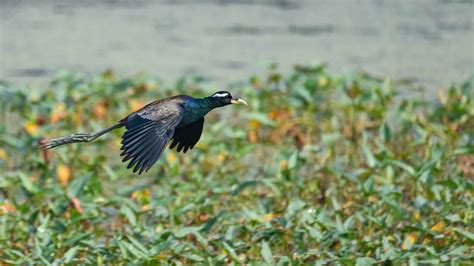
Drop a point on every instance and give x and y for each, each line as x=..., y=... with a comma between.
x=318, y=168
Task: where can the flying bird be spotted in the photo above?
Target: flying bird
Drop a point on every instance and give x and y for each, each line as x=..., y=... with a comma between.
x=178, y=119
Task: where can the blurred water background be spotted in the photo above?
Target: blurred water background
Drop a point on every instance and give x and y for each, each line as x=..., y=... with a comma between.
x=428, y=42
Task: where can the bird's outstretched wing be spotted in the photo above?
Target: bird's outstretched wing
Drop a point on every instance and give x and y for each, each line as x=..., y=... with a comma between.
x=148, y=131
x=186, y=137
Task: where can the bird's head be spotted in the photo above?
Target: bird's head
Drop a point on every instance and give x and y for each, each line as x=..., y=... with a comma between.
x=224, y=98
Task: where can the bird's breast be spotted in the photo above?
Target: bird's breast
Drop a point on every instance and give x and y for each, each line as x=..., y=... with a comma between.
x=192, y=114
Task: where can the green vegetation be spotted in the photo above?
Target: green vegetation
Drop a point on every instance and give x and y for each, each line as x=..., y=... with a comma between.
x=318, y=168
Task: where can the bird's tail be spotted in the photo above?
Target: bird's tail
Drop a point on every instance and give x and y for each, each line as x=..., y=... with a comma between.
x=77, y=137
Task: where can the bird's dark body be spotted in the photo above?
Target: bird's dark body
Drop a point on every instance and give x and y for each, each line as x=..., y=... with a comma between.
x=178, y=119
x=193, y=108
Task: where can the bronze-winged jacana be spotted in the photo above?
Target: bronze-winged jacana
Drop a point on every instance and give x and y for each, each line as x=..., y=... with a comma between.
x=148, y=130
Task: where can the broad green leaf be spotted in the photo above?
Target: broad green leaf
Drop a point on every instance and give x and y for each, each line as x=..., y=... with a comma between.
x=184, y=231
x=113, y=176
x=138, y=245
x=267, y=252
x=369, y=156
x=193, y=257
x=464, y=233
x=133, y=250
x=70, y=254
x=453, y=218
x=27, y=183
x=384, y=132
x=293, y=160
x=365, y=261
x=76, y=238
x=459, y=251
x=77, y=185
x=231, y=251
x=125, y=210
x=409, y=169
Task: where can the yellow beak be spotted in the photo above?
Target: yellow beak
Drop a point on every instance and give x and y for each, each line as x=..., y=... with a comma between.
x=238, y=101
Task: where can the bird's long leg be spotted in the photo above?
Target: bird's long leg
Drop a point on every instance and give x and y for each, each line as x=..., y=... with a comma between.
x=72, y=138
x=77, y=137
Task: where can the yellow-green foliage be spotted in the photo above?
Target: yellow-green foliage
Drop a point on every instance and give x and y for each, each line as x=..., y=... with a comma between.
x=318, y=167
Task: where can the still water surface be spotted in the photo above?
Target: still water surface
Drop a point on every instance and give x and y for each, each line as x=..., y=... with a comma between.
x=431, y=41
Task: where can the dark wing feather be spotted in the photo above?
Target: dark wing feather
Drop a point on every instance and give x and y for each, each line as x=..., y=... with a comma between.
x=148, y=132
x=186, y=137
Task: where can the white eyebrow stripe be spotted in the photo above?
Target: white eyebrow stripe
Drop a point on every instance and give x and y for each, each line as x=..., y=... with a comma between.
x=222, y=94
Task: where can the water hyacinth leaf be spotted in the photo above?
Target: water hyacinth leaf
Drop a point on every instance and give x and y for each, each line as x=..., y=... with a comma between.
x=369, y=185
x=335, y=203
x=407, y=168
x=113, y=176
x=185, y=209
x=369, y=156
x=459, y=251
x=231, y=251
x=133, y=250
x=302, y=93
x=76, y=238
x=425, y=177
x=330, y=138
x=243, y=185
x=349, y=223
x=70, y=254
x=77, y=186
x=3, y=227
x=184, y=231
x=193, y=257
x=387, y=88
x=284, y=260
x=428, y=262
x=200, y=238
x=230, y=233
x=448, y=183
x=384, y=132
x=420, y=202
x=138, y=245
x=250, y=215
x=160, y=247
x=468, y=235
x=314, y=233
x=27, y=183
x=267, y=253
x=293, y=160
x=207, y=226
x=294, y=207
x=453, y=218
x=10, y=141
x=365, y=261
x=125, y=210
